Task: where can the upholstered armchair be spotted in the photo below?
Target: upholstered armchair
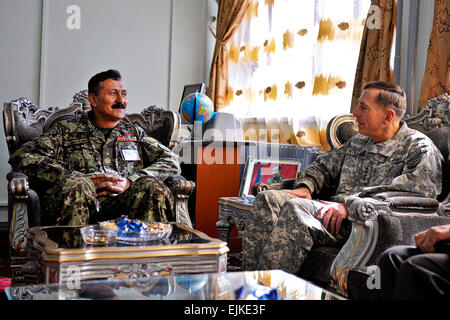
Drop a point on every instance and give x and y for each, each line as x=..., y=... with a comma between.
x=24, y=121
x=388, y=219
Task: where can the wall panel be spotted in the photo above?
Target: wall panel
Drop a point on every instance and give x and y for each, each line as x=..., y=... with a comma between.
x=83, y=37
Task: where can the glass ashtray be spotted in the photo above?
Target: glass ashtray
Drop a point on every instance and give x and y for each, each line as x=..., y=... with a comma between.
x=98, y=236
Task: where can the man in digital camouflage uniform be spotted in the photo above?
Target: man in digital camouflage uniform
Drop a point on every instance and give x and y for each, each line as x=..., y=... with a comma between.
x=99, y=166
x=386, y=155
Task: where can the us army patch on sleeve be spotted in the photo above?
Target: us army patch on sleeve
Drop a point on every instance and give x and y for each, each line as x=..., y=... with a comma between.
x=415, y=158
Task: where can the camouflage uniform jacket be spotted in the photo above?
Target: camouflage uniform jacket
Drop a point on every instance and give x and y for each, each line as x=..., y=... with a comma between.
x=275, y=180
x=77, y=147
x=409, y=162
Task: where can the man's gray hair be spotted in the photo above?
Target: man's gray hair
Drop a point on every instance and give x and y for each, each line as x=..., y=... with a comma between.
x=391, y=95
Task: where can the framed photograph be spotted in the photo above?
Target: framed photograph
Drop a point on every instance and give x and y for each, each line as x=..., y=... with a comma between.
x=268, y=171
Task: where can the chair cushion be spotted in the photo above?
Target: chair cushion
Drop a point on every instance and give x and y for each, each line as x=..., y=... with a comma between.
x=400, y=228
x=440, y=137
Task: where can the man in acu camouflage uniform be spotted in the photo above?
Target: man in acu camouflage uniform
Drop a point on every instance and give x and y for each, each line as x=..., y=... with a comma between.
x=386, y=155
x=99, y=166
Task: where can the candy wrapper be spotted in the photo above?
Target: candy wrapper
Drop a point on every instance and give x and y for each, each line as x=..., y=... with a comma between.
x=126, y=225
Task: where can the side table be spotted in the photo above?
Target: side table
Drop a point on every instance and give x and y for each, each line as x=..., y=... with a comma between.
x=210, y=164
x=233, y=211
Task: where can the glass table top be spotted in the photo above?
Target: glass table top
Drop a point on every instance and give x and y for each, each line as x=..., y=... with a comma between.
x=249, y=285
x=70, y=238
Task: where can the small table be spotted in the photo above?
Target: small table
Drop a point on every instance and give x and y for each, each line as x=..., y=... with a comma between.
x=232, y=211
x=206, y=286
x=57, y=254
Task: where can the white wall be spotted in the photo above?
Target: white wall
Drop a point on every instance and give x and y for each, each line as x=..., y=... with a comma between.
x=20, y=22
x=131, y=36
x=189, y=66
x=157, y=45
x=187, y=62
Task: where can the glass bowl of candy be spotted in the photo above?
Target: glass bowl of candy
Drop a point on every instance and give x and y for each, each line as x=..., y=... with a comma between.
x=136, y=232
x=98, y=236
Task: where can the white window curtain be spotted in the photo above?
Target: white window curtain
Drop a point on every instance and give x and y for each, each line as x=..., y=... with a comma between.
x=291, y=68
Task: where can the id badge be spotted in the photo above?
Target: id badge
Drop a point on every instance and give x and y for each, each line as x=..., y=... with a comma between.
x=130, y=153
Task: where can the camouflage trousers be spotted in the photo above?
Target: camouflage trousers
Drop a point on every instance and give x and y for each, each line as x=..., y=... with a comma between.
x=73, y=201
x=282, y=229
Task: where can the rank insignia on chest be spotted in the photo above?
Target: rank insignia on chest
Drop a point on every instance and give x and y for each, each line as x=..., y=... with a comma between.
x=127, y=137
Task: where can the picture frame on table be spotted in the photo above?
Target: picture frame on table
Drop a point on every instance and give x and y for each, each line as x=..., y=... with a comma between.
x=262, y=170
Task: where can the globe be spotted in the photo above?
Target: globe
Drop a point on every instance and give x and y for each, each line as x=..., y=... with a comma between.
x=201, y=103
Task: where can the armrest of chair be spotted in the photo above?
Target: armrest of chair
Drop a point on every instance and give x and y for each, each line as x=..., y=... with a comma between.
x=414, y=203
x=404, y=201
x=179, y=185
x=18, y=183
x=24, y=210
x=181, y=190
x=19, y=189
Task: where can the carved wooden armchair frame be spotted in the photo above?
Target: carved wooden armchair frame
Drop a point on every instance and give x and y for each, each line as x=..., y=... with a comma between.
x=24, y=121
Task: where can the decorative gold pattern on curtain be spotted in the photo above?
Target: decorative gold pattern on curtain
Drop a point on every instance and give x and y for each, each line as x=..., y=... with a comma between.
x=436, y=79
x=229, y=17
x=291, y=68
x=376, y=45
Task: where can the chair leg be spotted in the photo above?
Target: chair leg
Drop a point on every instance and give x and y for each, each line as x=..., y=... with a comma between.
x=224, y=226
x=181, y=210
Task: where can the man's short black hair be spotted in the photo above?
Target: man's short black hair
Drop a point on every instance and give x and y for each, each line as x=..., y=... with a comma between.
x=94, y=82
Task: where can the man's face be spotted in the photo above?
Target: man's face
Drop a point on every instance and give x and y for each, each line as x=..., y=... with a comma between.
x=370, y=115
x=110, y=104
x=275, y=172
